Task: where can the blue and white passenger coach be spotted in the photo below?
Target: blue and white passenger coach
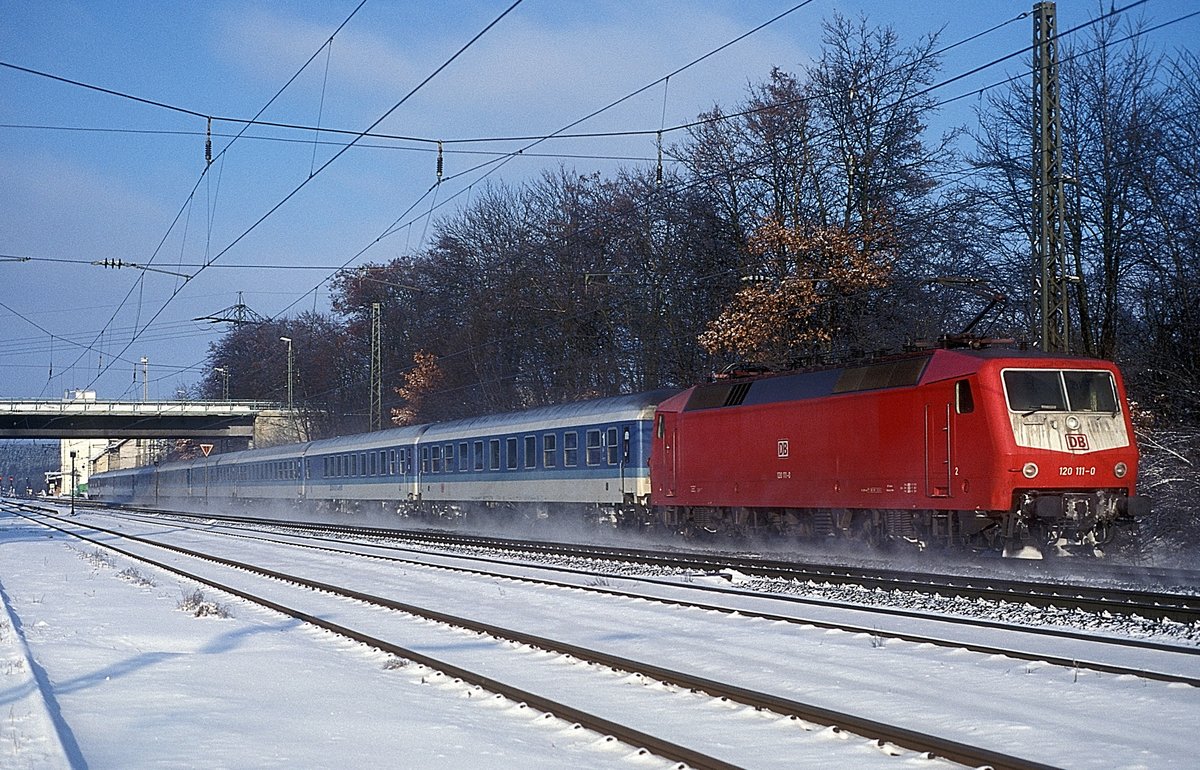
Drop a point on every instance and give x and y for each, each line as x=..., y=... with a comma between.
x=590, y=456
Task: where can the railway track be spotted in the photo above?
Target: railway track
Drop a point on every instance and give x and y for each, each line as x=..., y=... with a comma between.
x=1057, y=646
x=595, y=583
x=1158, y=603
x=683, y=688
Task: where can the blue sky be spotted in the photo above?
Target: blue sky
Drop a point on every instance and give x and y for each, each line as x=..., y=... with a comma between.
x=113, y=194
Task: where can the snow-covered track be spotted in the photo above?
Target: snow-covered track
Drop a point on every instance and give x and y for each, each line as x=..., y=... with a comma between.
x=634, y=732
x=1058, y=646
x=1182, y=608
x=1042, y=590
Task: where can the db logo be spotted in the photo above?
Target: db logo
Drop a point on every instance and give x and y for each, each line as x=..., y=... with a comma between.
x=1077, y=441
x=783, y=448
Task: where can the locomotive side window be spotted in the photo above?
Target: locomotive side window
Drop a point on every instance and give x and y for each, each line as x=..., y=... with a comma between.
x=1091, y=392
x=1034, y=390
x=964, y=402
x=549, y=450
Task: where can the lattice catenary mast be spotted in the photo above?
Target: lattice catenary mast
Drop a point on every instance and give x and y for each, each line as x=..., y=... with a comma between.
x=1049, y=252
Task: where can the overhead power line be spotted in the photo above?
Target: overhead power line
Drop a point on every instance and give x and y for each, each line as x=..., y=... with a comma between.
x=326, y=165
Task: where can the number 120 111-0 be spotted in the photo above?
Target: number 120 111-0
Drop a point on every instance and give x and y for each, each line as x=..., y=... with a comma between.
x=1077, y=470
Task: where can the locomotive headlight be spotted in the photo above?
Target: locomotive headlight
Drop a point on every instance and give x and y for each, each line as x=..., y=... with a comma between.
x=1072, y=423
x=1120, y=469
x=1030, y=470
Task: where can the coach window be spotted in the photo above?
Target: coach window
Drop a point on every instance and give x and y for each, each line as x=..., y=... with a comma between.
x=424, y=459
x=594, y=451
x=510, y=452
x=463, y=456
x=405, y=462
x=362, y=463
x=478, y=455
x=614, y=448
x=391, y=462
x=570, y=449
x=448, y=451
x=964, y=402
x=549, y=450
x=374, y=465
x=494, y=454
x=530, y=451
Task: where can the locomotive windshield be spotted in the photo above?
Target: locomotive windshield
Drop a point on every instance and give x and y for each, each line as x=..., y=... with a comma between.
x=1035, y=390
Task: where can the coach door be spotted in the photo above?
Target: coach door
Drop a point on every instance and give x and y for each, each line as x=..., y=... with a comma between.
x=938, y=468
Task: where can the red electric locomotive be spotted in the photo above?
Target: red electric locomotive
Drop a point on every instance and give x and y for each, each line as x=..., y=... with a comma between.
x=990, y=448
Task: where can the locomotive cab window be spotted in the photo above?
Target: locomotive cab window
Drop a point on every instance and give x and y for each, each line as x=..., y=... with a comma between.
x=1053, y=390
x=1091, y=392
x=1034, y=390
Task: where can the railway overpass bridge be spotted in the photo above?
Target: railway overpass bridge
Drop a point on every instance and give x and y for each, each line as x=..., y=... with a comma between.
x=83, y=419
x=96, y=436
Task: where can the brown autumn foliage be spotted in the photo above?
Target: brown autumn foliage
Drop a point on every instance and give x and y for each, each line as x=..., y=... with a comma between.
x=424, y=378
x=794, y=308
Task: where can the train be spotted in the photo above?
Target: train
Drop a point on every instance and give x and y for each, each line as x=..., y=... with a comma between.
x=975, y=447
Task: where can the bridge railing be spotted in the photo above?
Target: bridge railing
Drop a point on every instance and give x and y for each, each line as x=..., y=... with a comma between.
x=198, y=408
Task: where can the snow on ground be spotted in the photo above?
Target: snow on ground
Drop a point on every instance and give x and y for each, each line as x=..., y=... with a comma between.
x=140, y=682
